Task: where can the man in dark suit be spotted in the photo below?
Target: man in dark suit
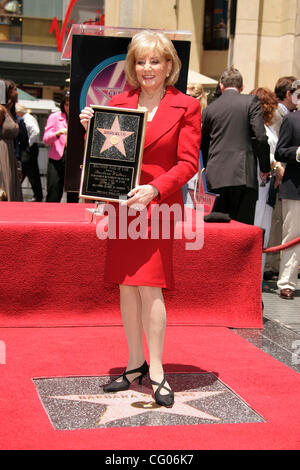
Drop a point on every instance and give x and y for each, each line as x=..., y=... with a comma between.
x=284, y=89
x=288, y=151
x=228, y=127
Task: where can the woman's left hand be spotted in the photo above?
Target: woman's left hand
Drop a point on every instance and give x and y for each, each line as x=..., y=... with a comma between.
x=141, y=196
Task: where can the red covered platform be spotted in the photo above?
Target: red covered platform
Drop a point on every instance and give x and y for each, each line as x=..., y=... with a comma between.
x=52, y=272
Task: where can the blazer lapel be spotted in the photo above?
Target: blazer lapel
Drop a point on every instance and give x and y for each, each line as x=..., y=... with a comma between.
x=128, y=100
x=170, y=111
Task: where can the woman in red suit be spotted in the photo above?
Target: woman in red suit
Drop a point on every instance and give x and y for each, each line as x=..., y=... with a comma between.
x=142, y=267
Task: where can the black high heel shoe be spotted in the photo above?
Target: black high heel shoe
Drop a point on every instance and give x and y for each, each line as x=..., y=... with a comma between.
x=125, y=384
x=163, y=400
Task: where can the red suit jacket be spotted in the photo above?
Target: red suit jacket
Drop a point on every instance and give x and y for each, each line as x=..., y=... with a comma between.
x=172, y=142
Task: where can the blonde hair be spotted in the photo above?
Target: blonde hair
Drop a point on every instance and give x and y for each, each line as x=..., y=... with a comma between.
x=197, y=91
x=151, y=40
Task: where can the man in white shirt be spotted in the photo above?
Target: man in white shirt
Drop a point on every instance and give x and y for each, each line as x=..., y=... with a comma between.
x=30, y=166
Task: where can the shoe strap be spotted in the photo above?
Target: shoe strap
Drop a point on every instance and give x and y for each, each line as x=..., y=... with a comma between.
x=160, y=385
x=124, y=378
x=139, y=369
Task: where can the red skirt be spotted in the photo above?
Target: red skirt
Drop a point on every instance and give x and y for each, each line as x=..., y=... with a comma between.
x=141, y=261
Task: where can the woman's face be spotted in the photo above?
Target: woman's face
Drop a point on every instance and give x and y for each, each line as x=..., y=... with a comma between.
x=151, y=70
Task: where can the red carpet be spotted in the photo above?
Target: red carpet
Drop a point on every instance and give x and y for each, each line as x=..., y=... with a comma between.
x=52, y=272
x=266, y=385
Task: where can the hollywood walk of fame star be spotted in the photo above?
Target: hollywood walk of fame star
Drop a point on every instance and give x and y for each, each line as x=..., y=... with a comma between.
x=114, y=137
x=131, y=403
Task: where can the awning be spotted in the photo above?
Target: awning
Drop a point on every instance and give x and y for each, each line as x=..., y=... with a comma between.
x=39, y=106
x=22, y=95
x=37, y=74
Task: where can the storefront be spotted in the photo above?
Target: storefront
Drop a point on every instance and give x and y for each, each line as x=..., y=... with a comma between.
x=32, y=33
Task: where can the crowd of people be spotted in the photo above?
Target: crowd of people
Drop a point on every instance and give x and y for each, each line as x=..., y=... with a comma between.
x=19, y=148
x=250, y=151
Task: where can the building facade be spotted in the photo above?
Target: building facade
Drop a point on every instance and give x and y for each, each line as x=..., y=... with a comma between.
x=266, y=44
x=32, y=34
x=260, y=37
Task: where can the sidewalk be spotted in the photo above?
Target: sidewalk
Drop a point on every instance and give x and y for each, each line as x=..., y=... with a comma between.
x=28, y=194
x=281, y=334
x=285, y=312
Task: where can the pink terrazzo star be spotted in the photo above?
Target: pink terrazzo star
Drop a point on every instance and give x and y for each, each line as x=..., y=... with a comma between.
x=114, y=137
x=131, y=403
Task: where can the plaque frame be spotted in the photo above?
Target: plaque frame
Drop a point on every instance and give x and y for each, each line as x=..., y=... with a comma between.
x=110, y=172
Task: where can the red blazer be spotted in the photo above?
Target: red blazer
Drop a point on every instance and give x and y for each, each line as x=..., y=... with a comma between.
x=172, y=142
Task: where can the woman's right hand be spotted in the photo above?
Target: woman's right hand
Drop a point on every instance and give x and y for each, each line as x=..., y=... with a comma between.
x=62, y=131
x=279, y=174
x=86, y=114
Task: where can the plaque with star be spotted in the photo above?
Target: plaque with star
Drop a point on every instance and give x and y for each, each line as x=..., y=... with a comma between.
x=113, y=153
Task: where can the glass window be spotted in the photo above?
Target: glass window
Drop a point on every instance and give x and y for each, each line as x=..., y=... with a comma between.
x=215, y=25
x=43, y=8
x=36, y=31
x=86, y=11
x=41, y=22
x=11, y=20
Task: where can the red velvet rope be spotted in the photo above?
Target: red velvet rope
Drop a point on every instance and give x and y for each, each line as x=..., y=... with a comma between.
x=285, y=246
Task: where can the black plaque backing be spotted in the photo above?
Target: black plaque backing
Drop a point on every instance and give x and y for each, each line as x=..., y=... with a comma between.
x=113, y=153
x=91, y=53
